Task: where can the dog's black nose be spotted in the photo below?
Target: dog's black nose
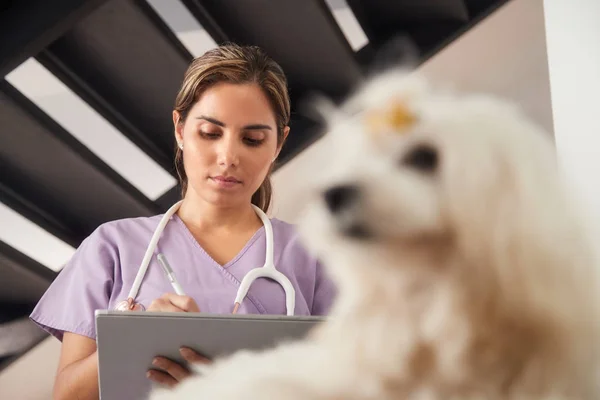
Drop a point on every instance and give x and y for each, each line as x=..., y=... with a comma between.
x=339, y=197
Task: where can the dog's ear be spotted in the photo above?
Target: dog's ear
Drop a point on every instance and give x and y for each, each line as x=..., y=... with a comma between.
x=399, y=52
x=516, y=226
x=321, y=109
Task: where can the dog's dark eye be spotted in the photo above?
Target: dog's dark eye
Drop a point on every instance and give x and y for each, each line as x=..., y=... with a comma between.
x=422, y=157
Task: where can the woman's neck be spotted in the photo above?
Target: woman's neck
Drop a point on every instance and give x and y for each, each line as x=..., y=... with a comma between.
x=204, y=217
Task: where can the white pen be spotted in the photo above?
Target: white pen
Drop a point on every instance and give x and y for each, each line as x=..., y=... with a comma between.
x=169, y=271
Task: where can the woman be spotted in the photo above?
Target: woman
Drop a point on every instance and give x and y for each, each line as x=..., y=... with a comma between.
x=230, y=121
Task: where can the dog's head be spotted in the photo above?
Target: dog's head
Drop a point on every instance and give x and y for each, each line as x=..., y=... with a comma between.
x=425, y=179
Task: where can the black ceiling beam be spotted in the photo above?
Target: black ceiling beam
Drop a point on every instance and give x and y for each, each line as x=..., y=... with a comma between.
x=169, y=198
x=28, y=26
x=482, y=8
x=128, y=65
x=103, y=106
x=431, y=37
x=304, y=131
x=24, y=280
x=211, y=25
x=302, y=36
x=426, y=23
x=32, y=210
x=53, y=179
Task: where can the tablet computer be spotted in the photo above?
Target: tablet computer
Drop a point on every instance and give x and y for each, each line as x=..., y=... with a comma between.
x=128, y=341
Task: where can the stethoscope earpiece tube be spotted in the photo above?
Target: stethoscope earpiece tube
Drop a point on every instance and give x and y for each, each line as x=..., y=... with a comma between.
x=137, y=283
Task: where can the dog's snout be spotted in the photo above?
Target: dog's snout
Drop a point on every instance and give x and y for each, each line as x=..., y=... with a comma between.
x=340, y=197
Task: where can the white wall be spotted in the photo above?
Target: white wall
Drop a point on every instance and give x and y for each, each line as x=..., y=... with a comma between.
x=31, y=377
x=505, y=55
x=289, y=181
x=573, y=35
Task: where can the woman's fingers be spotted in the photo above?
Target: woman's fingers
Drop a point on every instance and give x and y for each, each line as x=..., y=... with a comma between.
x=161, y=377
x=170, y=302
x=175, y=370
x=163, y=305
x=172, y=372
x=184, y=303
x=192, y=356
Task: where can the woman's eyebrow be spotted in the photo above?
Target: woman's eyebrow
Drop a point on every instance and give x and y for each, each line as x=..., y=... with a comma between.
x=247, y=127
x=256, y=127
x=211, y=120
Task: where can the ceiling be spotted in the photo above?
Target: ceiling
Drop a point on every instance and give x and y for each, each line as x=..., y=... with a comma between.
x=88, y=88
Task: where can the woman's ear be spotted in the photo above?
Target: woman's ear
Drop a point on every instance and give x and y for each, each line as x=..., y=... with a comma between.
x=286, y=132
x=178, y=125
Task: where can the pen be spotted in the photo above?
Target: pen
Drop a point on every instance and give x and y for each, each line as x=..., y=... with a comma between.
x=169, y=271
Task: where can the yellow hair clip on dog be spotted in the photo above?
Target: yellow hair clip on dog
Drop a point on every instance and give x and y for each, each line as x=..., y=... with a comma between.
x=398, y=117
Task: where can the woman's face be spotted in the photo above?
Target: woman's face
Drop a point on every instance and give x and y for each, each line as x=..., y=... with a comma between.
x=229, y=143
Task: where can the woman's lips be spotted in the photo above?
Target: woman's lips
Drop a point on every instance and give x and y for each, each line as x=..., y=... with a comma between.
x=225, y=181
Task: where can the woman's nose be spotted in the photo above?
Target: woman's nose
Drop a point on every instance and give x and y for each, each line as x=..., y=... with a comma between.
x=228, y=152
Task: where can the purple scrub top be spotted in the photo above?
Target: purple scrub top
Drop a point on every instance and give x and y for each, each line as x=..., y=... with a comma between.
x=102, y=271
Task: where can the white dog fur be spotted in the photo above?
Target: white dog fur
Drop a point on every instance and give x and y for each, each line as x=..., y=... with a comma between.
x=464, y=271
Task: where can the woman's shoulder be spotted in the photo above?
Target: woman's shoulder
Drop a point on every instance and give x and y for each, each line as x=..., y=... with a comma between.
x=289, y=243
x=128, y=229
x=286, y=232
x=87, y=279
x=130, y=224
x=310, y=273
x=283, y=226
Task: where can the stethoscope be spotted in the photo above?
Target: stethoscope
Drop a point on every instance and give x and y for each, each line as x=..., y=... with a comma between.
x=268, y=270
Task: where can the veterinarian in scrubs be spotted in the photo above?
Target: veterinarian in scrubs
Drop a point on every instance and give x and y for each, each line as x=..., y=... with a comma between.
x=230, y=120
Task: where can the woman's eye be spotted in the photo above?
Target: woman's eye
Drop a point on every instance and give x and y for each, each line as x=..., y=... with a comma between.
x=252, y=141
x=210, y=135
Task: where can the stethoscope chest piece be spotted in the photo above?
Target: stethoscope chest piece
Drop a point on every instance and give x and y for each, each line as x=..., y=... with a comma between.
x=130, y=305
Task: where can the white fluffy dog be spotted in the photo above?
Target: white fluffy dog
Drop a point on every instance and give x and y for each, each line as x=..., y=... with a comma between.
x=463, y=270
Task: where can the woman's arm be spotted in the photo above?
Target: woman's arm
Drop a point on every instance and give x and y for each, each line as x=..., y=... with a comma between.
x=77, y=375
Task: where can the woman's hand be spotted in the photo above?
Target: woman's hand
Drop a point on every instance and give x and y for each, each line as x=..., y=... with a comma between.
x=172, y=372
x=174, y=303
x=169, y=372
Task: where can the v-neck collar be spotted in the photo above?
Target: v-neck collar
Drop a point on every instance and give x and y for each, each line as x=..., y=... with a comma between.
x=259, y=232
